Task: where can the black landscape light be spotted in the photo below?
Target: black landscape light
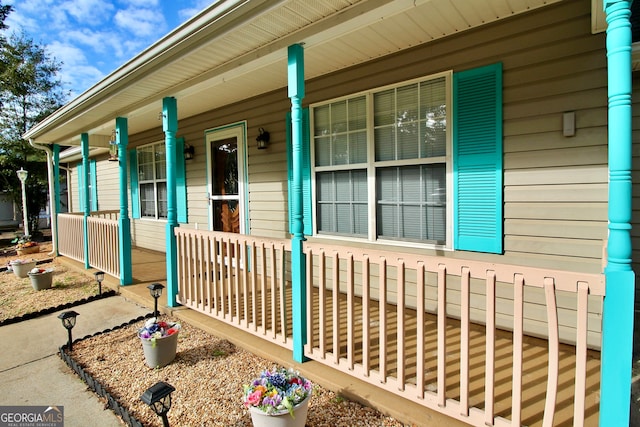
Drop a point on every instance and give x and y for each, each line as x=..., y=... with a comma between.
x=99, y=278
x=155, y=290
x=68, y=321
x=158, y=396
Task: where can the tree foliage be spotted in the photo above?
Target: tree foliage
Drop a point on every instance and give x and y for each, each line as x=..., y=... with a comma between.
x=30, y=90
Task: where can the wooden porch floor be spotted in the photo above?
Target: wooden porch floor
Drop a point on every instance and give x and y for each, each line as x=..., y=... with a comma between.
x=149, y=267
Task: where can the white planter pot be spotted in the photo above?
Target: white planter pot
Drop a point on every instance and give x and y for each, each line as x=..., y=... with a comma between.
x=281, y=418
x=22, y=270
x=41, y=281
x=160, y=352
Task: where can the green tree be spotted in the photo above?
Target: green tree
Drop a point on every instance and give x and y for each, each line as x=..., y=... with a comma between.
x=30, y=90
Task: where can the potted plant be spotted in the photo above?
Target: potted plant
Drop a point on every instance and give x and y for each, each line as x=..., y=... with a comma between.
x=279, y=397
x=21, y=267
x=159, y=342
x=41, y=278
x=24, y=245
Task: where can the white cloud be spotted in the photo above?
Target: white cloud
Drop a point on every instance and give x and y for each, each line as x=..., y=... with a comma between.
x=88, y=12
x=141, y=22
x=77, y=73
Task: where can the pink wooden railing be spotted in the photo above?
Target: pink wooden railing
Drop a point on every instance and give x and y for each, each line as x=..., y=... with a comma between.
x=430, y=329
x=385, y=297
x=103, y=239
x=237, y=279
x=104, y=243
x=71, y=236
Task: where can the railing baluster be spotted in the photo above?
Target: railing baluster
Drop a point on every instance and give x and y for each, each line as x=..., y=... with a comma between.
x=382, y=335
x=552, y=377
x=310, y=298
x=274, y=292
x=350, y=315
x=336, y=308
x=322, y=302
x=366, y=315
x=490, y=345
x=465, y=321
x=442, y=335
x=400, y=330
x=581, y=354
x=254, y=285
x=518, y=323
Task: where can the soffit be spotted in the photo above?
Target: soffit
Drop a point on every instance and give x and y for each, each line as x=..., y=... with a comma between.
x=219, y=58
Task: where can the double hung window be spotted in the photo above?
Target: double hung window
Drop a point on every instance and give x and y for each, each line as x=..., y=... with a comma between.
x=152, y=181
x=381, y=161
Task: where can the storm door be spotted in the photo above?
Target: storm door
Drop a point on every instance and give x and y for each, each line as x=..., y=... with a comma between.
x=225, y=148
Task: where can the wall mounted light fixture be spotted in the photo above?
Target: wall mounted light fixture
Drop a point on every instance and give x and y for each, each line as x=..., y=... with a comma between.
x=189, y=151
x=262, y=139
x=113, y=147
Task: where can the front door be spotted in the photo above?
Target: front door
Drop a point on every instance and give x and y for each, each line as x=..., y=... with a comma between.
x=225, y=151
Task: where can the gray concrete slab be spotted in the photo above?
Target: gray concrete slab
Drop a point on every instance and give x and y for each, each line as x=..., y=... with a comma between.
x=31, y=372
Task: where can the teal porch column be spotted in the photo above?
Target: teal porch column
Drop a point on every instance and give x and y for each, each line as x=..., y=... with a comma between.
x=124, y=223
x=170, y=127
x=56, y=190
x=298, y=261
x=617, y=323
x=84, y=140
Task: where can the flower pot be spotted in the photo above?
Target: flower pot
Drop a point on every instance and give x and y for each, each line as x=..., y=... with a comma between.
x=41, y=281
x=28, y=250
x=159, y=352
x=281, y=418
x=22, y=269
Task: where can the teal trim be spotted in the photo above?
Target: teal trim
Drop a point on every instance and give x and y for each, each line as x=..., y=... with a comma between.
x=477, y=160
x=618, y=311
x=181, y=183
x=298, y=263
x=56, y=191
x=307, y=201
x=124, y=223
x=84, y=141
x=133, y=173
x=170, y=126
x=94, y=185
x=80, y=170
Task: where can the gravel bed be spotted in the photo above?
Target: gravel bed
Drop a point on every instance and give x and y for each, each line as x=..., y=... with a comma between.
x=17, y=296
x=208, y=374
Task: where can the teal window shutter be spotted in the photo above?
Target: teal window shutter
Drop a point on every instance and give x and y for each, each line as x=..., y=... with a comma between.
x=94, y=185
x=477, y=160
x=307, y=208
x=181, y=182
x=80, y=170
x=133, y=173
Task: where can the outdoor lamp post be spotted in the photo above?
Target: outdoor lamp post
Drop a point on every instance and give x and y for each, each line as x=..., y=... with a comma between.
x=68, y=321
x=156, y=291
x=22, y=176
x=158, y=396
x=99, y=275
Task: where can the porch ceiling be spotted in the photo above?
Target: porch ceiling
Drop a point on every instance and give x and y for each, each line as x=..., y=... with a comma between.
x=237, y=49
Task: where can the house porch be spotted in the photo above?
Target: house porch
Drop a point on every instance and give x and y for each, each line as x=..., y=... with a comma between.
x=149, y=267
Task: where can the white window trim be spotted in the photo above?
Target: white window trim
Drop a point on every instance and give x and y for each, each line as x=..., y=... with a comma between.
x=371, y=166
x=155, y=186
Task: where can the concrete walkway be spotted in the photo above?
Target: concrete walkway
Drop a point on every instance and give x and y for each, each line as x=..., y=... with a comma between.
x=32, y=373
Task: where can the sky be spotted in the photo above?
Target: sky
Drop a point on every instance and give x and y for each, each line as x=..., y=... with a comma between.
x=92, y=38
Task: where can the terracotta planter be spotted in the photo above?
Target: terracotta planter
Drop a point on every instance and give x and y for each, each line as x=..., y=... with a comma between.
x=281, y=418
x=29, y=250
x=159, y=352
x=22, y=269
x=41, y=281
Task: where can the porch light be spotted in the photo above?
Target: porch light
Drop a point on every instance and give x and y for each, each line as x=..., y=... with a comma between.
x=68, y=321
x=262, y=139
x=155, y=290
x=189, y=151
x=99, y=275
x=113, y=147
x=158, y=397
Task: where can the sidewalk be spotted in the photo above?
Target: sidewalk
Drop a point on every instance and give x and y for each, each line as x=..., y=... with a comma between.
x=32, y=373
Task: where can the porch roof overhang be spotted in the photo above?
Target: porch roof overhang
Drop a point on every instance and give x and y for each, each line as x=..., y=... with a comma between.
x=236, y=49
